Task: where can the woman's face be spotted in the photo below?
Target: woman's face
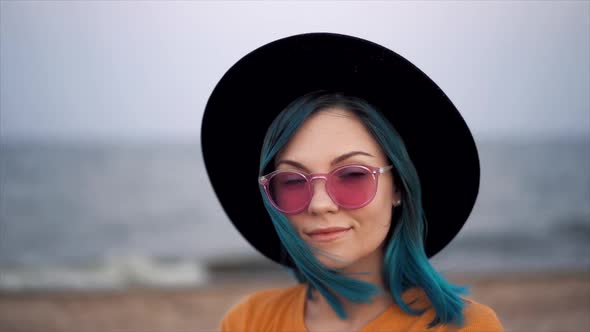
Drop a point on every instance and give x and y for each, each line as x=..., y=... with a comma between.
x=321, y=140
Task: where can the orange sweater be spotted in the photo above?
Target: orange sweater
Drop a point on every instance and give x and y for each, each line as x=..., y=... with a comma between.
x=282, y=310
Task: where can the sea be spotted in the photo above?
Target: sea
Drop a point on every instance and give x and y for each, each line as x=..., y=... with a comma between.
x=111, y=215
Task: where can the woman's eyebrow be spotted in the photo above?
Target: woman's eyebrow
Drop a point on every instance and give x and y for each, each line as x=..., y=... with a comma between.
x=334, y=162
x=348, y=155
x=292, y=163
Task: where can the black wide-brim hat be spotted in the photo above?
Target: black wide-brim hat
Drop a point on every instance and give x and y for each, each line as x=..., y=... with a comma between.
x=261, y=84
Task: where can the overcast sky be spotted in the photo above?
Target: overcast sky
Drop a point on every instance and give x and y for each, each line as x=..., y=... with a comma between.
x=107, y=69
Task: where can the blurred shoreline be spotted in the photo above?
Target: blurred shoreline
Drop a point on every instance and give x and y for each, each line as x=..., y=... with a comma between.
x=119, y=210
x=549, y=300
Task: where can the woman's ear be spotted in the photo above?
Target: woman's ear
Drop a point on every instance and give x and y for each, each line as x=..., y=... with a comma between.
x=397, y=194
x=397, y=201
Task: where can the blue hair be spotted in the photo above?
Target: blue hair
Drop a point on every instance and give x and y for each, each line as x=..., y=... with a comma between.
x=405, y=262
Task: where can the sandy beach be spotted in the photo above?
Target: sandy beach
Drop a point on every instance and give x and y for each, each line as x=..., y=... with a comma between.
x=528, y=301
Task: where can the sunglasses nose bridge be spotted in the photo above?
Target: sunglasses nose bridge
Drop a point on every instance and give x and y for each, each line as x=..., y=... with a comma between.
x=324, y=201
x=314, y=177
x=318, y=177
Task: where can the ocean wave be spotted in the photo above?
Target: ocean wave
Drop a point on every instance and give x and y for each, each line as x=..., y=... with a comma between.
x=112, y=273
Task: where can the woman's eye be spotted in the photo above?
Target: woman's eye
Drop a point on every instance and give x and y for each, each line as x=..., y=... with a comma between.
x=352, y=177
x=352, y=174
x=293, y=181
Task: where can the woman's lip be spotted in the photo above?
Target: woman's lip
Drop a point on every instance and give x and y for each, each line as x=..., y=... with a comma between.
x=328, y=234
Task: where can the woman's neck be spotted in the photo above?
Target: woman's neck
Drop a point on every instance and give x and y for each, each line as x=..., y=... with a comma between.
x=317, y=309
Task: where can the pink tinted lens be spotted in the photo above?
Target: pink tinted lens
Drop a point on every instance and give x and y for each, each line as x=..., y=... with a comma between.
x=353, y=187
x=289, y=191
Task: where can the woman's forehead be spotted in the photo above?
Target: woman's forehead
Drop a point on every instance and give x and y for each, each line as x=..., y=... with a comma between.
x=329, y=134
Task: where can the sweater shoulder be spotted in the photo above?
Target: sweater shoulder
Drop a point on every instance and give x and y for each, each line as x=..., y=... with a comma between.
x=263, y=309
x=480, y=317
x=477, y=317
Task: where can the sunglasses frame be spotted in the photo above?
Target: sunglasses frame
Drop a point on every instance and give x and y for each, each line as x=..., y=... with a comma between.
x=374, y=171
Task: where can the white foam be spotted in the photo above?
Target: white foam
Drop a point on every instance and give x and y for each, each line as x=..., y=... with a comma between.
x=114, y=273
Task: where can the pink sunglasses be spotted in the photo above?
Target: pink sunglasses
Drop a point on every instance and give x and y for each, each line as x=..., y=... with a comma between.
x=350, y=187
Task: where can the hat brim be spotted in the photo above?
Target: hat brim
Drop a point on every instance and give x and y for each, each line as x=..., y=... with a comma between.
x=261, y=84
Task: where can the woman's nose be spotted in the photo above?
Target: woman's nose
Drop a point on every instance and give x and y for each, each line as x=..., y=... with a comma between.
x=321, y=202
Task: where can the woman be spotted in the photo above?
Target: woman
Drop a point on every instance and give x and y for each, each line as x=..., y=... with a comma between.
x=356, y=189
